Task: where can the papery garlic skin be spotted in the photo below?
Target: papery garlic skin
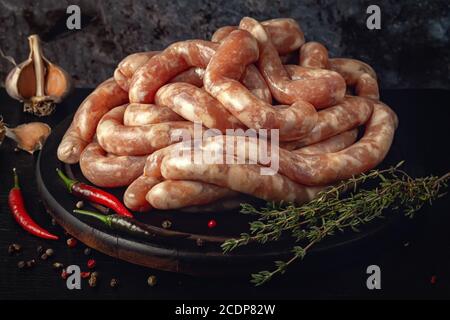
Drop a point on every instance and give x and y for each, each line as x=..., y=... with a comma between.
x=29, y=136
x=38, y=82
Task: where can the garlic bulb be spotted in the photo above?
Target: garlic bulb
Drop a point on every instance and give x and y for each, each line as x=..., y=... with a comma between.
x=29, y=136
x=37, y=81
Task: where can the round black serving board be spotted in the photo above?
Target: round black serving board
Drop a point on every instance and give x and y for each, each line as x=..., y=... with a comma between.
x=183, y=255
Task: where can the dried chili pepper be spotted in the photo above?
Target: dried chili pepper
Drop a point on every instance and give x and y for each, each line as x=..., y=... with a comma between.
x=20, y=214
x=94, y=194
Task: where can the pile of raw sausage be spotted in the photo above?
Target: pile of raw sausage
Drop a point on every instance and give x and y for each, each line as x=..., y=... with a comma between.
x=123, y=132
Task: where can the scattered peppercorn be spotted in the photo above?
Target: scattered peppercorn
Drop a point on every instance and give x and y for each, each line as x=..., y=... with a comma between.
x=53, y=222
x=85, y=274
x=166, y=224
x=200, y=242
x=87, y=251
x=39, y=249
x=433, y=280
x=212, y=223
x=16, y=149
x=152, y=280
x=30, y=263
x=14, y=248
x=49, y=252
x=91, y=263
x=93, y=279
x=21, y=264
x=79, y=204
x=114, y=283
x=44, y=256
x=57, y=265
x=71, y=242
x=64, y=274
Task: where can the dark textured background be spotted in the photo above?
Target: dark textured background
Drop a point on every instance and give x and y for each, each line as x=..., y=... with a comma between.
x=410, y=51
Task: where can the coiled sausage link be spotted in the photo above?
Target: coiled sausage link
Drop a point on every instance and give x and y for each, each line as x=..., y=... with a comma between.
x=128, y=66
x=316, y=169
x=196, y=105
x=108, y=170
x=333, y=144
x=226, y=67
x=137, y=114
x=352, y=112
x=321, y=92
x=171, y=194
x=84, y=124
x=177, y=58
x=285, y=33
x=118, y=139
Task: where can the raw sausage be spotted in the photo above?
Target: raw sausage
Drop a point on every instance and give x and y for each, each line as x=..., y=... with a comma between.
x=314, y=55
x=107, y=96
x=333, y=144
x=196, y=105
x=350, y=113
x=128, y=66
x=137, y=114
x=221, y=80
x=285, y=33
x=177, y=58
x=172, y=194
x=118, y=139
x=321, y=92
x=358, y=74
x=134, y=196
x=245, y=178
x=108, y=170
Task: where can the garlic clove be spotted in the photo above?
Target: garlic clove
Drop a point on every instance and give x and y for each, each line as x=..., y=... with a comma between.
x=29, y=136
x=37, y=81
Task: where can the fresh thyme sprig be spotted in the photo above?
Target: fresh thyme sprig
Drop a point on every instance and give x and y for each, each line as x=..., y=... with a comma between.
x=344, y=206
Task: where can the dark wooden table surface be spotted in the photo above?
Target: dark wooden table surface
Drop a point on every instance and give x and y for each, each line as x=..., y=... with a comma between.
x=409, y=256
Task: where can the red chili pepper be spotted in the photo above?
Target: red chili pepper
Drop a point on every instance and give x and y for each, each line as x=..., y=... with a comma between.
x=94, y=194
x=20, y=214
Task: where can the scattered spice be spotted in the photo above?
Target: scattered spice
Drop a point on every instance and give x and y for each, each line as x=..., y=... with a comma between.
x=49, y=252
x=212, y=223
x=166, y=224
x=39, y=249
x=87, y=251
x=94, y=194
x=200, y=242
x=44, y=256
x=79, y=204
x=57, y=265
x=114, y=283
x=152, y=280
x=91, y=263
x=21, y=264
x=53, y=222
x=85, y=274
x=433, y=279
x=20, y=214
x=93, y=279
x=14, y=248
x=71, y=242
x=30, y=263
